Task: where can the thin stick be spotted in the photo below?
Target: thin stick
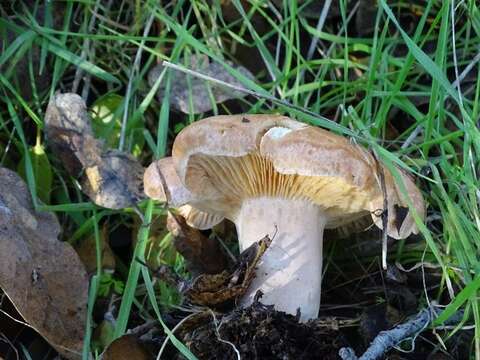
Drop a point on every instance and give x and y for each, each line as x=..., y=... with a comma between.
x=386, y=340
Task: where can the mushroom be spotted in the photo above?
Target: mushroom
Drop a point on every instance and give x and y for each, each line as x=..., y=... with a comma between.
x=273, y=175
x=162, y=183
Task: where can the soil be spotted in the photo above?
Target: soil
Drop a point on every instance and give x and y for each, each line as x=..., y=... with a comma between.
x=260, y=332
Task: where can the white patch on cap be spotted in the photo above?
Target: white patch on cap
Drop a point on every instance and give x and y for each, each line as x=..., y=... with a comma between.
x=277, y=132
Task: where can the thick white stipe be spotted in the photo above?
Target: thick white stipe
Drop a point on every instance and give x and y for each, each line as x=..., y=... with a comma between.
x=290, y=271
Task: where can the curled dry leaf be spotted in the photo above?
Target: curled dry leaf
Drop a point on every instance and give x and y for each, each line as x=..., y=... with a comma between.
x=203, y=254
x=43, y=277
x=211, y=290
x=185, y=86
x=111, y=178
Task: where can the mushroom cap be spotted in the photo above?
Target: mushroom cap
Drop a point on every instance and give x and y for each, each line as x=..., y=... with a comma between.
x=199, y=219
x=223, y=160
x=161, y=182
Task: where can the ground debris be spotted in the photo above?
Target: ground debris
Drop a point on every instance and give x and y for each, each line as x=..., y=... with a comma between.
x=87, y=251
x=111, y=178
x=203, y=255
x=126, y=347
x=43, y=277
x=377, y=318
x=260, y=332
x=229, y=285
x=408, y=330
x=202, y=92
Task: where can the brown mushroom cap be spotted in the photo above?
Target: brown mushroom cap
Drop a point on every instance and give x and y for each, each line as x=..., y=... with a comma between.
x=161, y=182
x=223, y=160
x=199, y=219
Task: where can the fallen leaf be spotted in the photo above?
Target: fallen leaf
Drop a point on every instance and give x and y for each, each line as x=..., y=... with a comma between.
x=127, y=347
x=111, y=178
x=401, y=213
x=187, y=88
x=87, y=252
x=211, y=290
x=43, y=277
x=203, y=254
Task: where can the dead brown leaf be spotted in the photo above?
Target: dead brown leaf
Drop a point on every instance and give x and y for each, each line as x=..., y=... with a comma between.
x=87, y=252
x=203, y=254
x=43, y=277
x=126, y=347
x=111, y=178
x=211, y=290
x=185, y=86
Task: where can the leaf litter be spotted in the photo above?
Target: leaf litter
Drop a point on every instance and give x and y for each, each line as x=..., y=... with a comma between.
x=231, y=284
x=126, y=347
x=42, y=276
x=202, y=254
x=111, y=178
x=192, y=95
x=212, y=325
x=216, y=328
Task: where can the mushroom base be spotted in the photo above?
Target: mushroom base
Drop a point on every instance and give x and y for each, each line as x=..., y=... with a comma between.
x=290, y=272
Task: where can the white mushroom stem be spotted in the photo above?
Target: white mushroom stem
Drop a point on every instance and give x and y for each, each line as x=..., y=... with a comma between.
x=290, y=272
